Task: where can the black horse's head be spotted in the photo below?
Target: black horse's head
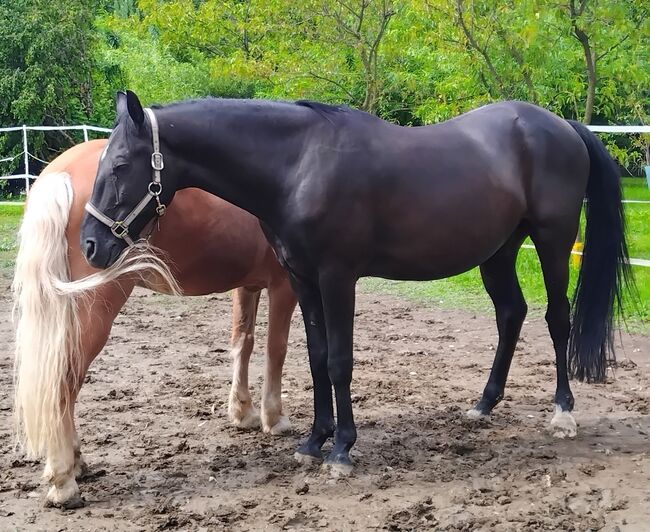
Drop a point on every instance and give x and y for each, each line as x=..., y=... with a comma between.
x=130, y=187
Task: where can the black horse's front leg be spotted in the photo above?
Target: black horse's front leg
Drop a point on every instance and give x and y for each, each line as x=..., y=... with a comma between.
x=323, y=426
x=338, y=305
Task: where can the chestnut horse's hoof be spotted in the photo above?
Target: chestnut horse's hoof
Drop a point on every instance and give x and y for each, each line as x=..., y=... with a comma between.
x=280, y=428
x=74, y=503
x=248, y=421
x=66, y=497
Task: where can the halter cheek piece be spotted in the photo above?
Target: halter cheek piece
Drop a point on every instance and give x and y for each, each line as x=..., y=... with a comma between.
x=121, y=228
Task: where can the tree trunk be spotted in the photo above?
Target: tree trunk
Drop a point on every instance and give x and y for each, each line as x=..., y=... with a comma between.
x=590, y=62
x=590, y=56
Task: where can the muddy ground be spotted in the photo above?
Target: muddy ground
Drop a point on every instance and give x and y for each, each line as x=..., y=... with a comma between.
x=160, y=460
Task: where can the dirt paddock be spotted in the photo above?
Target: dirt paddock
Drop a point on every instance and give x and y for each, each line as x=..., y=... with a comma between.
x=161, y=460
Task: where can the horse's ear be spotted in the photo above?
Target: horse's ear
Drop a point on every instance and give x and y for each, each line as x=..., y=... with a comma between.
x=135, y=108
x=120, y=102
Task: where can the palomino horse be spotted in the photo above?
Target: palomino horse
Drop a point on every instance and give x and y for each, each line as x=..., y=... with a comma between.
x=342, y=194
x=52, y=356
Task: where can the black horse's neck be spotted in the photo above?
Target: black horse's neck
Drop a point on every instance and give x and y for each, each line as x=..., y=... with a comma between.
x=243, y=151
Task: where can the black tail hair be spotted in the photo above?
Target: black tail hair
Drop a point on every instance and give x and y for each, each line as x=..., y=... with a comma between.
x=605, y=273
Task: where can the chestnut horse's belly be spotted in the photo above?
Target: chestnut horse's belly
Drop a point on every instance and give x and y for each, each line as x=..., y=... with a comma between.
x=213, y=245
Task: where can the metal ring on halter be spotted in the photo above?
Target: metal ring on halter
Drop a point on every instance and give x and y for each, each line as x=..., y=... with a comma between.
x=119, y=229
x=157, y=190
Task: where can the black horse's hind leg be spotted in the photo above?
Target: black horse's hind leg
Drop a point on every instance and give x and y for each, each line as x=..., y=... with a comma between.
x=338, y=306
x=323, y=426
x=554, y=250
x=500, y=280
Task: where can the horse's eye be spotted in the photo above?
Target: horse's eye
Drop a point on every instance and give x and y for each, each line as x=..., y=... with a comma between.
x=120, y=169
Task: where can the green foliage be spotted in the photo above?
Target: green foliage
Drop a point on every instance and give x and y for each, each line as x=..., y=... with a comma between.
x=409, y=61
x=125, y=59
x=45, y=68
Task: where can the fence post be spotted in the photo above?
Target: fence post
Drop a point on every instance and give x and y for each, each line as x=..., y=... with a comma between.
x=26, y=155
x=85, y=134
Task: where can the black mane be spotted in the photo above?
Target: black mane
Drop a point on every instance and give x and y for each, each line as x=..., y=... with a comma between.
x=323, y=109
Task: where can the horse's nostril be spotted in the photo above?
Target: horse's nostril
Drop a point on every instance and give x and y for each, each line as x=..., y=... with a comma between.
x=90, y=248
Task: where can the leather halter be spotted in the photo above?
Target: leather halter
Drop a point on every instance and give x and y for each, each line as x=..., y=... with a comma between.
x=120, y=228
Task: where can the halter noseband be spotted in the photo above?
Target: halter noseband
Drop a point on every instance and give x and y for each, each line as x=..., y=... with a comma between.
x=121, y=228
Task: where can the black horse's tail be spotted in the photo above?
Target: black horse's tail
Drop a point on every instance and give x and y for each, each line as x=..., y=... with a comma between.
x=605, y=271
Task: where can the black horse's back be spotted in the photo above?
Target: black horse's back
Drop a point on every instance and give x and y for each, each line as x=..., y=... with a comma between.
x=605, y=271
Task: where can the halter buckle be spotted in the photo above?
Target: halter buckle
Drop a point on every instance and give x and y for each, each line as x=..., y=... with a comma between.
x=160, y=209
x=157, y=162
x=119, y=229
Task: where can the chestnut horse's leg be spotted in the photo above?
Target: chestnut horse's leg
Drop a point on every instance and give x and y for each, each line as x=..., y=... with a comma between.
x=282, y=302
x=500, y=280
x=64, y=461
x=241, y=411
x=554, y=249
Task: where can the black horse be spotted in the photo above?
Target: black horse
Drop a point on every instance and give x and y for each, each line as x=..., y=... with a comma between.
x=342, y=194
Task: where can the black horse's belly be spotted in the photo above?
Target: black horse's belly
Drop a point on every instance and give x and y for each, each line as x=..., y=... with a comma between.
x=446, y=238
x=438, y=263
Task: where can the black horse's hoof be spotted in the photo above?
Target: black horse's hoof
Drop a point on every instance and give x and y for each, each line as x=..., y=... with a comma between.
x=308, y=454
x=486, y=404
x=338, y=466
x=477, y=413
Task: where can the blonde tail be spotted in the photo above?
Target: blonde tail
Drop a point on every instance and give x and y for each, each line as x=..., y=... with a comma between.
x=47, y=324
x=48, y=356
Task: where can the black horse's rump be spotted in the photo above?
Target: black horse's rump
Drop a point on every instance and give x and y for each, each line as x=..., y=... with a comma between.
x=342, y=194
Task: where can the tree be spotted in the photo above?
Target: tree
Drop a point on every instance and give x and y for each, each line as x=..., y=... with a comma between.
x=360, y=25
x=607, y=25
x=45, y=68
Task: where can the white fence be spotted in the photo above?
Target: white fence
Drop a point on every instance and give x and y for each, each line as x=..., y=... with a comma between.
x=26, y=155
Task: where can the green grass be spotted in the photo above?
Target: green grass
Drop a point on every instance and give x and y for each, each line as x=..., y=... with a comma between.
x=10, y=216
x=636, y=188
x=466, y=291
